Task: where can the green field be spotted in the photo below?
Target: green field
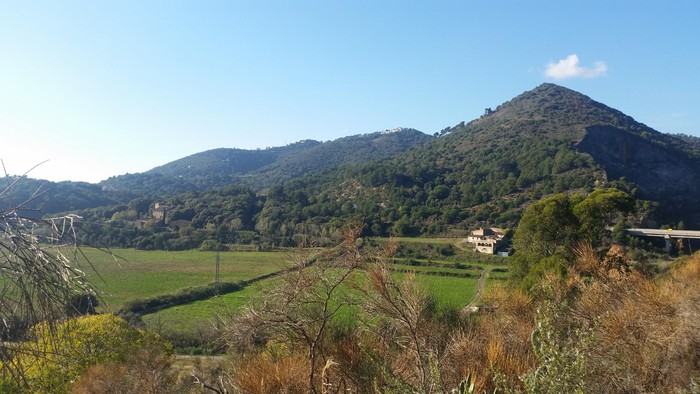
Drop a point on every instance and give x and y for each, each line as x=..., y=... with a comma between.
x=449, y=291
x=139, y=274
x=475, y=270
x=425, y=240
x=202, y=315
x=453, y=292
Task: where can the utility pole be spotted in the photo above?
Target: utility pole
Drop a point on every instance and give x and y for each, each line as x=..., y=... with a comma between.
x=216, y=282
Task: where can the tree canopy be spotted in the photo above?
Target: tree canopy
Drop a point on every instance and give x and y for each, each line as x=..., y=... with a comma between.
x=550, y=228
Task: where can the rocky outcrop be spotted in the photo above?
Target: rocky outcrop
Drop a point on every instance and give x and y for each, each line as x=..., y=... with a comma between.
x=660, y=172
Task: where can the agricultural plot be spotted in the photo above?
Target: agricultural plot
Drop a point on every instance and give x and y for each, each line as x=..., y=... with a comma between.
x=200, y=315
x=140, y=274
x=450, y=292
x=439, y=269
x=425, y=240
x=143, y=274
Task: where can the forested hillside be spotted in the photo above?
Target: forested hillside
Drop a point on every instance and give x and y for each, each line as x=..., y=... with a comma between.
x=263, y=168
x=483, y=173
x=545, y=141
x=341, y=152
x=37, y=197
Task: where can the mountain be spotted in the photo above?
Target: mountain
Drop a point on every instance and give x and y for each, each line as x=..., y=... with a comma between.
x=267, y=167
x=482, y=173
x=33, y=198
x=332, y=154
x=229, y=161
x=662, y=166
x=547, y=140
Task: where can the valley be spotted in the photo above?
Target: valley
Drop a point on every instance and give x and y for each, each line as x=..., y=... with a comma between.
x=353, y=263
x=128, y=278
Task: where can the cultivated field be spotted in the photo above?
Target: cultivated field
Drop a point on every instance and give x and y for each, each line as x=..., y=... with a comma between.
x=140, y=274
x=134, y=274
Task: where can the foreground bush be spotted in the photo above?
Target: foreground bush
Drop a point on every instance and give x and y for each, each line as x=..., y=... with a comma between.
x=601, y=327
x=53, y=359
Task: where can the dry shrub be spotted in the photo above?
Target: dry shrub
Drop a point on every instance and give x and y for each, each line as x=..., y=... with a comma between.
x=264, y=373
x=407, y=326
x=353, y=362
x=497, y=345
x=145, y=372
x=354, y=359
x=510, y=302
x=466, y=356
x=107, y=379
x=647, y=333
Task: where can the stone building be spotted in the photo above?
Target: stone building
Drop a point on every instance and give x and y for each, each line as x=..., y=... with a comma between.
x=486, y=240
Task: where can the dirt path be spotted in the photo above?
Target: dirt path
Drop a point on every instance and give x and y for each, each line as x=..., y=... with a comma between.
x=186, y=364
x=479, y=288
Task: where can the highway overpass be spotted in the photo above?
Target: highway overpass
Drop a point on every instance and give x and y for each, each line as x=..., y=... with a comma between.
x=667, y=234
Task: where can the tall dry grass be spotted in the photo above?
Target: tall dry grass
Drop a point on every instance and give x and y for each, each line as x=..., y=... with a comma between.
x=647, y=332
x=637, y=335
x=263, y=374
x=496, y=347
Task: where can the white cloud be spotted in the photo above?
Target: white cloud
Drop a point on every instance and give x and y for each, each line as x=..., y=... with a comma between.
x=569, y=68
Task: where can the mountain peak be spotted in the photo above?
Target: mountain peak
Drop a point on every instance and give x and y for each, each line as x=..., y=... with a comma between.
x=548, y=94
x=559, y=109
x=551, y=86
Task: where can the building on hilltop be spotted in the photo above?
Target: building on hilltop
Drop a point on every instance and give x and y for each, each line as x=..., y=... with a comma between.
x=160, y=212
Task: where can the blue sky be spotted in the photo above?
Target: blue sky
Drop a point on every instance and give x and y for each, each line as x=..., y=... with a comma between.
x=106, y=88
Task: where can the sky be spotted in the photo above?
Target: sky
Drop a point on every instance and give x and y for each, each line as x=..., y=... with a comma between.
x=94, y=89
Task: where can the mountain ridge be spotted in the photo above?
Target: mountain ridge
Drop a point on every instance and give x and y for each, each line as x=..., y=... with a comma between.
x=261, y=168
x=483, y=173
x=544, y=141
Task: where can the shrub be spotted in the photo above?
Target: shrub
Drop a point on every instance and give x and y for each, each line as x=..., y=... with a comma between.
x=57, y=356
x=182, y=296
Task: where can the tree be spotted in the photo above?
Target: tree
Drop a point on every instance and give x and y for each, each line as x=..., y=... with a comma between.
x=546, y=227
x=552, y=227
x=41, y=282
x=599, y=210
x=39, y=274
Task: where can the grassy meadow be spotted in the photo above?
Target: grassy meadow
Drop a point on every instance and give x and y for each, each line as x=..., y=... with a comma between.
x=449, y=291
x=201, y=315
x=128, y=274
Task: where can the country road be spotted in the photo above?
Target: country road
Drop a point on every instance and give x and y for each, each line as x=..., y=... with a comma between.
x=479, y=288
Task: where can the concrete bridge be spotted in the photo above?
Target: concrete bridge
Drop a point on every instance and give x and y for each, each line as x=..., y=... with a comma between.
x=667, y=234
